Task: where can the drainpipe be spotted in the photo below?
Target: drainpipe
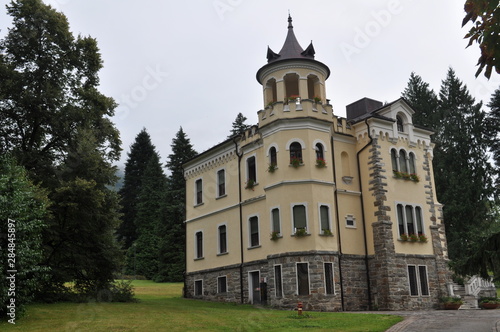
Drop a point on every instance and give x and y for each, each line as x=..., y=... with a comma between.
x=335, y=195
x=240, y=155
x=364, y=218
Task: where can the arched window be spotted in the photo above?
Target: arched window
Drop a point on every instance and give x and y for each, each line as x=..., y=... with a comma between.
x=394, y=160
x=319, y=151
x=295, y=152
x=411, y=162
x=271, y=94
x=400, y=124
x=313, y=87
x=272, y=156
x=291, y=85
x=402, y=161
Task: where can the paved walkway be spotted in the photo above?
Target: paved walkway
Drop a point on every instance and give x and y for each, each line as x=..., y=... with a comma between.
x=447, y=320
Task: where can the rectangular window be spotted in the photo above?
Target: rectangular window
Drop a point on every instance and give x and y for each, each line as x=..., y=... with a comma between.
x=418, y=215
x=409, y=219
x=278, y=282
x=324, y=218
x=329, y=283
x=350, y=221
x=299, y=217
x=418, y=280
x=275, y=215
x=199, y=244
x=221, y=182
x=221, y=284
x=199, y=191
x=222, y=239
x=254, y=231
x=198, y=287
x=251, y=169
x=422, y=274
x=412, y=276
x=303, y=278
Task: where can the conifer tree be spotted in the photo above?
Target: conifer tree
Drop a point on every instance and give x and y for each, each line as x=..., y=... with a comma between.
x=493, y=133
x=239, y=125
x=140, y=153
x=422, y=99
x=462, y=171
x=172, y=250
x=144, y=254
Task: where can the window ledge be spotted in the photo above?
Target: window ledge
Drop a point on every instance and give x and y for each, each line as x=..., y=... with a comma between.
x=301, y=164
x=223, y=253
x=199, y=258
x=326, y=235
x=299, y=236
x=254, y=247
x=196, y=205
x=222, y=196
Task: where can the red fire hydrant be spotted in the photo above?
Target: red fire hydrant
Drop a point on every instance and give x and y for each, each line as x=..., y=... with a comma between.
x=299, y=308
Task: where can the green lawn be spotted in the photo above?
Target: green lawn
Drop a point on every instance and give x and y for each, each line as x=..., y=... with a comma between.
x=161, y=308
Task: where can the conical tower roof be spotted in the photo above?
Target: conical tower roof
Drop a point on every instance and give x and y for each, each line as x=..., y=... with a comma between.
x=291, y=48
x=290, y=51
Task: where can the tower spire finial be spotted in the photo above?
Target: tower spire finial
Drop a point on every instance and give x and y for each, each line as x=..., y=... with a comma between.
x=290, y=26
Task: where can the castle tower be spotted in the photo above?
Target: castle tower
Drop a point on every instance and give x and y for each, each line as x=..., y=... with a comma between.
x=292, y=80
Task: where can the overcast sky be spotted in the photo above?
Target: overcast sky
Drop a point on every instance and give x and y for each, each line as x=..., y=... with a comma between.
x=192, y=64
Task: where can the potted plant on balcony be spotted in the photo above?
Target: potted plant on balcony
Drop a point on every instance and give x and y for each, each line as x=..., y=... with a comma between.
x=451, y=302
x=422, y=238
x=320, y=163
x=271, y=168
x=275, y=235
x=300, y=232
x=489, y=302
x=413, y=237
x=250, y=184
x=295, y=162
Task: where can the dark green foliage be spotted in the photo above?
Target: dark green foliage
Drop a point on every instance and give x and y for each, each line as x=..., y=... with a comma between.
x=80, y=242
x=143, y=255
x=140, y=153
x=172, y=249
x=463, y=174
x=24, y=205
x=239, y=125
x=423, y=100
x=485, y=16
x=493, y=133
x=56, y=124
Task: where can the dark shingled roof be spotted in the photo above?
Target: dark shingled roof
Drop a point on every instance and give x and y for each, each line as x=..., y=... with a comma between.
x=291, y=48
x=290, y=51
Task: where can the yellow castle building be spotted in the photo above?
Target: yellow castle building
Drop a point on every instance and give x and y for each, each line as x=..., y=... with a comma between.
x=336, y=213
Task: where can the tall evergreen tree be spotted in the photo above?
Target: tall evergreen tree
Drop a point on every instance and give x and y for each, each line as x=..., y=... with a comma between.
x=172, y=250
x=462, y=171
x=51, y=113
x=140, y=153
x=239, y=125
x=423, y=100
x=80, y=243
x=493, y=132
x=144, y=254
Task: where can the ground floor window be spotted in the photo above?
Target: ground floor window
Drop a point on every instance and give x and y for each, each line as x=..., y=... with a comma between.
x=329, y=283
x=417, y=276
x=198, y=287
x=303, y=278
x=278, y=281
x=221, y=284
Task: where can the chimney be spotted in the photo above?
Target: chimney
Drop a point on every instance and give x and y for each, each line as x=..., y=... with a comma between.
x=361, y=107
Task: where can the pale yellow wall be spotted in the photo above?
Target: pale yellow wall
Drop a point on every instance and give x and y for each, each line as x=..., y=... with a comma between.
x=209, y=227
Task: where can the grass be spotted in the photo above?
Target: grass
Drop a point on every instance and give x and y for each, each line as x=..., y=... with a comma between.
x=161, y=308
